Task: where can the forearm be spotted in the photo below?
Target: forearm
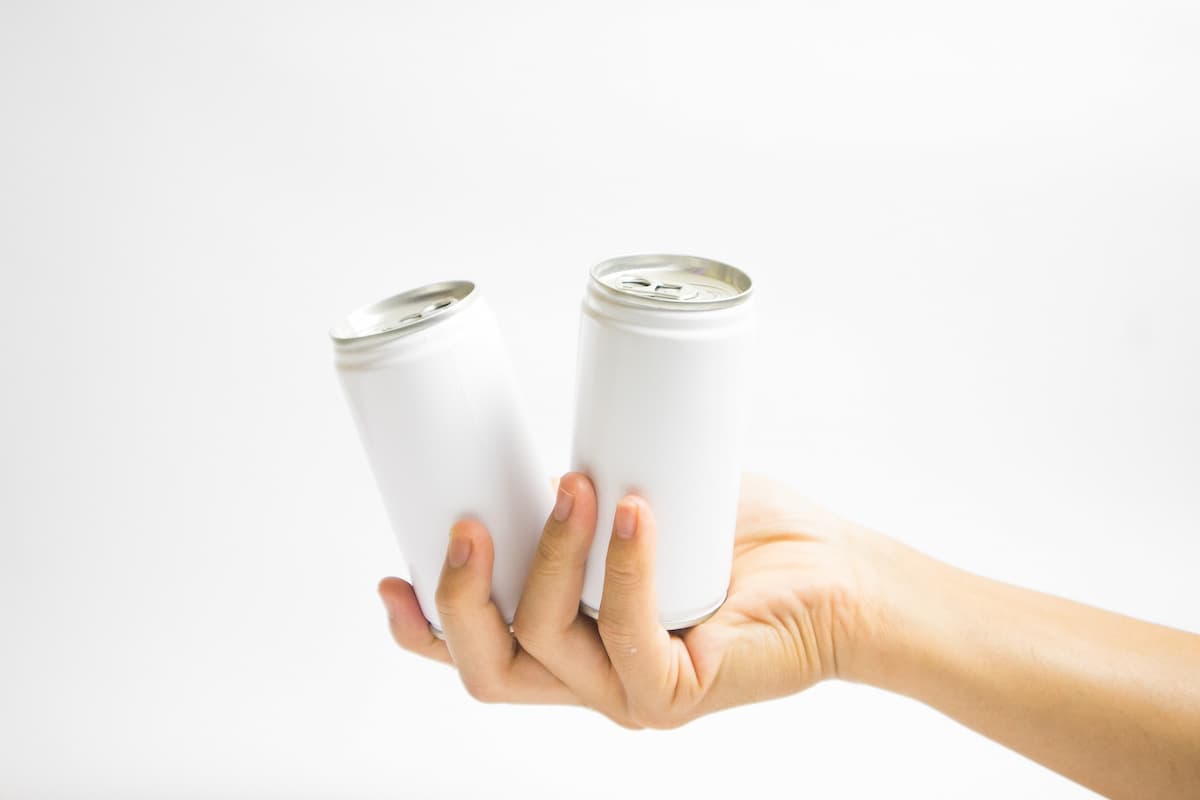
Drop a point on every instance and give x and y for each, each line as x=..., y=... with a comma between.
x=1108, y=701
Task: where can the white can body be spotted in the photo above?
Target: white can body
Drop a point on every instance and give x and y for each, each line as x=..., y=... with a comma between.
x=660, y=411
x=438, y=413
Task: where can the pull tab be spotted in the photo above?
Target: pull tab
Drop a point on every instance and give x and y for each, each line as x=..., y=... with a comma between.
x=434, y=307
x=646, y=287
x=400, y=323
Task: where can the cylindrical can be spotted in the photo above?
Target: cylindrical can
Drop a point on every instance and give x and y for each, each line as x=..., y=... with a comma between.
x=432, y=393
x=659, y=411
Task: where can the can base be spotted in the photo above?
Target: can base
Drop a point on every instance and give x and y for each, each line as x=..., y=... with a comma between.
x=441, y=634
x=673, y=625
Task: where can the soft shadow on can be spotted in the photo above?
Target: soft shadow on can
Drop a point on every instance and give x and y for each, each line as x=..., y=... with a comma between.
x=432, y=394
x=661, y=402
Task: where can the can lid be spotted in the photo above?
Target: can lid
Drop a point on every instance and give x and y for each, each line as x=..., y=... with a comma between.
x=684, y=283
x=403, y=313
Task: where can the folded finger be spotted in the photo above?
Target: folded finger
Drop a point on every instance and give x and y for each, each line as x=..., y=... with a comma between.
x=408, y=625
x=492, y=667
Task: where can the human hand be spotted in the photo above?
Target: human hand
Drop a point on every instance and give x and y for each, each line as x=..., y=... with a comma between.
x=796, y=613
x=1104, y=699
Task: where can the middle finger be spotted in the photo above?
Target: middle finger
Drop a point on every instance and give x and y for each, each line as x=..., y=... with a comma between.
x=548, y=623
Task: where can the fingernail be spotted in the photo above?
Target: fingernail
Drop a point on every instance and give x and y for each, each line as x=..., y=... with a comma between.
x=460, y=551
x=562, y=505
x=626, y=520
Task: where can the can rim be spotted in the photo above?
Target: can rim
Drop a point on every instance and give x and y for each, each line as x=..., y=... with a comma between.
x=689, y=621
x=728, y=274
x=381, y=319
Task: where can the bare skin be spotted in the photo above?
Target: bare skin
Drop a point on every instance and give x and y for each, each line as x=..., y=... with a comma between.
x=1108, y=701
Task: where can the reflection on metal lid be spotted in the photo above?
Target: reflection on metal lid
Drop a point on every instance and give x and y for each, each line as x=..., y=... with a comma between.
x=403, y=313
x=673, y=281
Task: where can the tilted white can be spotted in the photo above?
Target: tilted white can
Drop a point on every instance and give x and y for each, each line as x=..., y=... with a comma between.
x=432, y=393
x=660, y=408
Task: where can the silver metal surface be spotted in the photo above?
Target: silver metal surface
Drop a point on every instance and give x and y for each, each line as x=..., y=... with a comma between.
x=672, y=281
x=673, y=625
x=403, y=313
x=441, y=634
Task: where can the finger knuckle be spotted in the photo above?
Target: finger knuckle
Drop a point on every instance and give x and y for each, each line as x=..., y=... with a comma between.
x=407, y=641
x=451, y=597
x=446, y=607
x=622, y=575
x=484, y=689
x=551, y=552
x=656, y=718
x=672, y=721
x=443, y=598
x=626, y=721
x=615, y=634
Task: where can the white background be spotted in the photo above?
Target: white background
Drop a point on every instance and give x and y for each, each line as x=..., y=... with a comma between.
x=974, y=230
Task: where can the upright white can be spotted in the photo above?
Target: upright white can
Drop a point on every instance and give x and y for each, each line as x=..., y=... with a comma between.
x=660, y=408
x=432, y=393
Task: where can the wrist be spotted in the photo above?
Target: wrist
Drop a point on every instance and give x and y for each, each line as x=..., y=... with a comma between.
x=900, y=599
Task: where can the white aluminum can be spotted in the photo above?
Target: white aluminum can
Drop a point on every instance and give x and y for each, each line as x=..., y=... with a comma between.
x=659, y=411
x=431, y=389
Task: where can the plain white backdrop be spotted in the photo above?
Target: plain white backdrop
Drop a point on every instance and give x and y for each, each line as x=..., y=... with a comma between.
x=975, y=231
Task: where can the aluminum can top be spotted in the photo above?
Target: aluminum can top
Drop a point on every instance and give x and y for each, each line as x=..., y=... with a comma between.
x=403, y=313
x=675, y=282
